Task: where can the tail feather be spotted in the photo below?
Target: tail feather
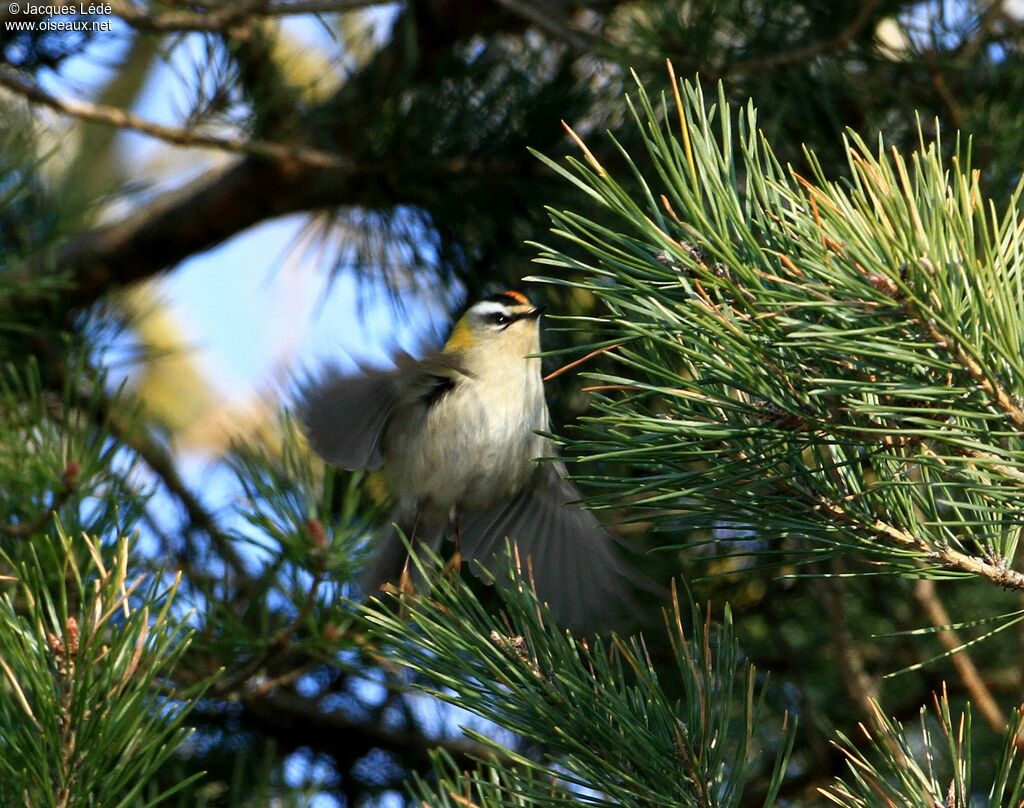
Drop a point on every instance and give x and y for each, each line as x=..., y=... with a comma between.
x=391, y=554
x=576, y=568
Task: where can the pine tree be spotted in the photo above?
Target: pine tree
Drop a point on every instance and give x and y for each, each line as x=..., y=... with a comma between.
x=815, y=368
x=803, y=384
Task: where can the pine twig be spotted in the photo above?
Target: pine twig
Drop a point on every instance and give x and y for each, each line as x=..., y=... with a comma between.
x=926, y=594
x=946, y=339
x=860, y=686
x=188, y=138
x=946, y=556
x=65, y=650
x=565, y=368
x=229, y=14
x=805, y=53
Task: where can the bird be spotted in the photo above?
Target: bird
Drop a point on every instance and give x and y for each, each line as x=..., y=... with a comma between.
x=459, y=435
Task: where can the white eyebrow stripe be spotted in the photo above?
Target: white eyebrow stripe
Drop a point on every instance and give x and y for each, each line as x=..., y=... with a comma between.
x=489, y=307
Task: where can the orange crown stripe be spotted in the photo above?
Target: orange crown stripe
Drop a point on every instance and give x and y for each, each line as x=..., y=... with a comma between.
x=519, y=297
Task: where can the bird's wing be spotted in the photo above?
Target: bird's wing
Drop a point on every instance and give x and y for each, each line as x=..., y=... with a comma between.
x=433, y=376
x=572, y=556
x=345, y=415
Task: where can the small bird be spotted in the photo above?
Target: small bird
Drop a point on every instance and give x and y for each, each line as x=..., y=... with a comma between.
x=456, y=434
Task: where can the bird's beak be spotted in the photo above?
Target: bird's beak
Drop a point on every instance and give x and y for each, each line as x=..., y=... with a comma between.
x=535, y=313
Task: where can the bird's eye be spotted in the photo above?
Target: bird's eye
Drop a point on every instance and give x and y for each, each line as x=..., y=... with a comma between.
x=500, y=319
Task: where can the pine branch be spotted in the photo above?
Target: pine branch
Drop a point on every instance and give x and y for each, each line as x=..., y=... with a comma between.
x=84, y=723
x=228, y=14
x=792, y=362
x=981, y=696
x=287, y=154
x=998, y=573
x=600, y=711
x=278, y=179
x=298, y=722
x=920, y=770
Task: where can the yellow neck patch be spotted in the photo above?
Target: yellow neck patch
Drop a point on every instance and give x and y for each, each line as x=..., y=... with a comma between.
x=461, y=338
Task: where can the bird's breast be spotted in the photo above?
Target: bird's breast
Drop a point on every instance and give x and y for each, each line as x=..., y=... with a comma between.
x=473, y=446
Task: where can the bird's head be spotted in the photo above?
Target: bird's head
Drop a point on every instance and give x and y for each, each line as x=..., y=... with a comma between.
x=502, y=325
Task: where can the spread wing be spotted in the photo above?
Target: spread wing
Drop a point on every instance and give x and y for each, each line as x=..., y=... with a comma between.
x=345, y=415
x=575, y=565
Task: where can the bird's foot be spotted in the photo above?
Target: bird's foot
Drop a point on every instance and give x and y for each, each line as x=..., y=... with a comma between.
x=454, y=566
x=405, y=585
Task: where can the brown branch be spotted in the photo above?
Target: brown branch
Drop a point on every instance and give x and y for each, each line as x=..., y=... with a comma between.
x=860, y=686
x=24, y=529
x=228, y=199
x=539, y=14
x=221, y=18
x=928, y=597
x=297, y=722
x=803, y=54
x=189, y=220
x=219, y=205
x=946, y=556
x=189, y=138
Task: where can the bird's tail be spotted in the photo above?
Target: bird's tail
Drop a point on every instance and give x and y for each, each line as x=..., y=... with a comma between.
x=391, y=558
x=573, y=561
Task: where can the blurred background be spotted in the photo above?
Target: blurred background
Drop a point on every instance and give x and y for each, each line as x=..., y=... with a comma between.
x=213, y=198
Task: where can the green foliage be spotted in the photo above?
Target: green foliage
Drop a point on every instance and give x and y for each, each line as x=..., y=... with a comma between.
x=808, y=359
x=928, y=767
x=57, y=456
x=88, y=711
x=307, y=526
x=23, y=211
x=29, y=225
x=611, y=729
x=820, y=360
x=309, y=515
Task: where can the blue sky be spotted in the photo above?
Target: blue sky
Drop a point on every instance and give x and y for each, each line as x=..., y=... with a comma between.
x=259, y=299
